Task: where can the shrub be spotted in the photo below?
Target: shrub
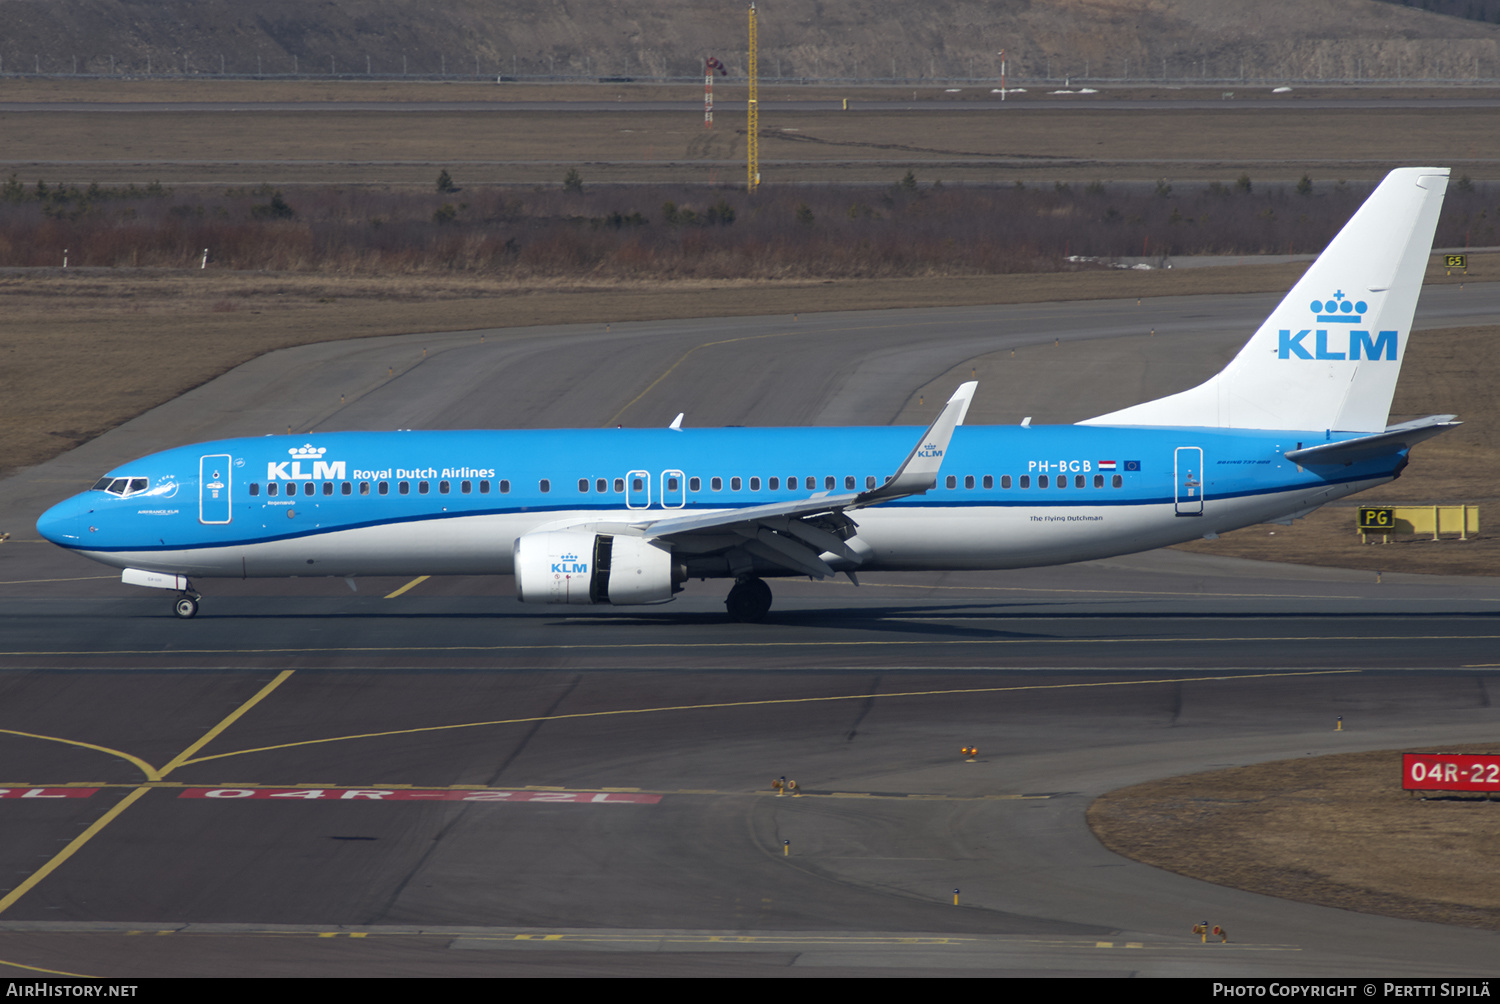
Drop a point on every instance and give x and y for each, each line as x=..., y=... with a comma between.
x=276, y=209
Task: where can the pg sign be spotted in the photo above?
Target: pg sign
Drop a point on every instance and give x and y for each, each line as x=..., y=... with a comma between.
x=1450, y=772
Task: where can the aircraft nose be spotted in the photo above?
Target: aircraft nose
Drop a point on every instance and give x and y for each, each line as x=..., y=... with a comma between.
x=64, y=523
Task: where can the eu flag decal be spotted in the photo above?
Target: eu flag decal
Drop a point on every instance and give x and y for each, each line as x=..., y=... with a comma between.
x=1132, y=465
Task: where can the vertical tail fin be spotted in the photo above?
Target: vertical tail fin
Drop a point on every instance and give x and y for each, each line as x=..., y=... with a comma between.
x=1329, y=354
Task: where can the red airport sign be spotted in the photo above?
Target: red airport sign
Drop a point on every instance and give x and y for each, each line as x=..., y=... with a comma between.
x=1450, y=772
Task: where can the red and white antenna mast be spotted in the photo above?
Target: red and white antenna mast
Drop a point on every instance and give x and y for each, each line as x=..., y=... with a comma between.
x=709, y=66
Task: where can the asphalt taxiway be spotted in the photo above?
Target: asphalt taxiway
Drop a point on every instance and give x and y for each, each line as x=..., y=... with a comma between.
x=240, y=794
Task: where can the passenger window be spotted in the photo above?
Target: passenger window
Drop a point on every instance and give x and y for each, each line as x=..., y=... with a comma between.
x=1078, y=481
x=952, y=481
x=1041, y=481
x=619, y=485
x=364, y=487
x=734, y=484
x=1025, y=480
x=812, y=482
x=1005, y=481
x=272, y=488
x=672, y=484
x=695, y=484
x=404, y=487
x=254, y=489
x=443, y=487
x=717, y=484
x=1062, y=481
x=504, y=487
x=583, y=485
x=422, y=488
x=545, y=485
x=346, y=488
x=968, y=481
x=637, y=484
x=328, y=488
x=484, y=487
x=848, y=482
x=989, y=481
x=869, y=482
x=466, y=487
x=1098, y=480
x=309, y=488
x=773, y=484
x=828, y=483
x=601, y=486
x=1118, y=481
x=385, y=487
x=755, y=484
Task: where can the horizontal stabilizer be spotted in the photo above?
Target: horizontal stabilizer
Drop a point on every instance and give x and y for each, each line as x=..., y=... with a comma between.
x=1381, y=444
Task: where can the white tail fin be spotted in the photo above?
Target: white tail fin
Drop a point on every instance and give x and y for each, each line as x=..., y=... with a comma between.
x=1329, y=355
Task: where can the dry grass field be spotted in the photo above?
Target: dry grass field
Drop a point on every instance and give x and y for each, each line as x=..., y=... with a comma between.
x=1336, y=830
x=1035, y=140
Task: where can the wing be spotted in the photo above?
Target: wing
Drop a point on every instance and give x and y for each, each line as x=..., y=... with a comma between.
x=795, y=534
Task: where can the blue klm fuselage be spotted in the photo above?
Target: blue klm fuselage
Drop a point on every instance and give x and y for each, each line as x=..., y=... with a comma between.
x=365, y=503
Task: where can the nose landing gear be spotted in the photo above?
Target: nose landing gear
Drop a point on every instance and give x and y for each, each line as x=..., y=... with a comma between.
x=748, y=601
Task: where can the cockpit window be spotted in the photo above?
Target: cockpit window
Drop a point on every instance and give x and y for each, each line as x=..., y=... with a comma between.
x=122, y=487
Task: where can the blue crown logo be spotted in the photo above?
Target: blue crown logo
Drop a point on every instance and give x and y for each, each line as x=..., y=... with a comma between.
x=1337, y=310
x=568, y=557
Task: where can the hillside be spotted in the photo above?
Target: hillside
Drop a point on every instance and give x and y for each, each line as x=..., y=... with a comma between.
x=1139, y=39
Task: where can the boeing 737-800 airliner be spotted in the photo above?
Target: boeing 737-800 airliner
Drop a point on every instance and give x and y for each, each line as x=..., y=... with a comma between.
x=626, y=516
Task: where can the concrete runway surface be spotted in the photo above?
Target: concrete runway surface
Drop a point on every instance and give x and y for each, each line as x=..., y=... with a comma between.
x=242, y=787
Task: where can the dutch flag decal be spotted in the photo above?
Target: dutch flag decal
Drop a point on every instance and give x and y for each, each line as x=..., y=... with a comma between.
x=1106, y=465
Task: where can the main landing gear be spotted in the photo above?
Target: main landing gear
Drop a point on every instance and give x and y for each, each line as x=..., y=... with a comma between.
x=186, y=605
x=749, y=601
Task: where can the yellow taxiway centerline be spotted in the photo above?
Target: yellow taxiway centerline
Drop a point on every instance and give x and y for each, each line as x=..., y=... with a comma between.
x=760, y=703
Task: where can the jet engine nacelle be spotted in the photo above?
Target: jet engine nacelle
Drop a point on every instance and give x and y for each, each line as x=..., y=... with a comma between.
x=570, y=566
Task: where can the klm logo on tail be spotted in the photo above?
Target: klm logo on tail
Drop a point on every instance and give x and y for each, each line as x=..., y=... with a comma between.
x=1358, y=345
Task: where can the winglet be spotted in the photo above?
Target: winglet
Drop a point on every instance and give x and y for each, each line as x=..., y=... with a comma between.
x=919, y=471
x=677, y=422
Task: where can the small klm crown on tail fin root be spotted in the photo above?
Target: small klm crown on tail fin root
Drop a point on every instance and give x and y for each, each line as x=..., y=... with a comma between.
x=1328, y=356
